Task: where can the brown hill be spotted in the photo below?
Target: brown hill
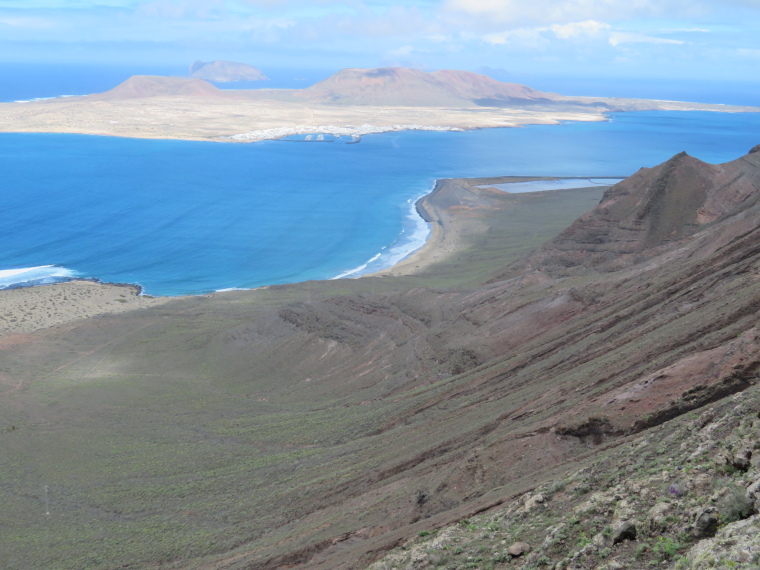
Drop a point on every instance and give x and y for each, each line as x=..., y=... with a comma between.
x=225, y=71
x=654, y=209
x=142, y=86
x=476, y=87
x=402, y=86
x=318, y=425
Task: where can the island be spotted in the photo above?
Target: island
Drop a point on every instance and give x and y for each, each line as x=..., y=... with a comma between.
x=226, y=71
x=351, y=102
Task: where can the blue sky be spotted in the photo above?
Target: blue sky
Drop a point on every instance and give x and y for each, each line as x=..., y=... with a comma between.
x=670, y=39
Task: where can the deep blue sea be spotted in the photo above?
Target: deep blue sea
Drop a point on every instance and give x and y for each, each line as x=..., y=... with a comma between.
x=183, y=217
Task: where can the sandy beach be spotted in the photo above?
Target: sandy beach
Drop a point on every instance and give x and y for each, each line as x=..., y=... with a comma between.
x=452, y=210
x=443, y=240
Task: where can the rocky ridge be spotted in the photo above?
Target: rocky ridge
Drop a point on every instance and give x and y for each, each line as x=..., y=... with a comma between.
x=655, y=209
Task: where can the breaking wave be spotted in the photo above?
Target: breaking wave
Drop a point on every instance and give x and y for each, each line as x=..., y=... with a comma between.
x=28, y=276
x=414, y=234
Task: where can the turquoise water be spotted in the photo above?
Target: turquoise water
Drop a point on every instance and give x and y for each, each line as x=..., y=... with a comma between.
x=183, y=217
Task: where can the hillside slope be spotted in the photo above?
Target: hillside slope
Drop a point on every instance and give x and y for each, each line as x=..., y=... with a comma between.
x=657, y=208
x=686, y=496
x=403, y=86
x=142, y=86
x=319, y=425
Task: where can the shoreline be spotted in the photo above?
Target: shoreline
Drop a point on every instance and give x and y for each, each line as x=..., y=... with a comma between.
x=439, y=209
x=26, y=309
x=429, y=252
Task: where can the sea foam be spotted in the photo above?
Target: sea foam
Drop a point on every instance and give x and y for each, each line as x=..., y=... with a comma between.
x=28, y=276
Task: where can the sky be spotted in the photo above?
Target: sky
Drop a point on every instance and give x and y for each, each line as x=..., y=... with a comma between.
x=714, y=40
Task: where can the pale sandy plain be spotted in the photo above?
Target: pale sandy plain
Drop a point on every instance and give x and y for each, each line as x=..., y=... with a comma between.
x=33, y=308
x=222, y=118
x=246, y=117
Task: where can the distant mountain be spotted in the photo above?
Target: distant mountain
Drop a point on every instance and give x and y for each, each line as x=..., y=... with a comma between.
x=225, y=71
x=141, y=86
x=402, y=86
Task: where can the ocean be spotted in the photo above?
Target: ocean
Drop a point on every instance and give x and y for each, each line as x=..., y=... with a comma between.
x=179, y=217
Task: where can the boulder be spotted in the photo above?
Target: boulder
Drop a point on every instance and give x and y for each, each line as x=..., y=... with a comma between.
x=657, y=515
x=742, y=459
x=753, y=492
x=534, y=502
x=518, y=549
x=706, y=524
x=624, y=531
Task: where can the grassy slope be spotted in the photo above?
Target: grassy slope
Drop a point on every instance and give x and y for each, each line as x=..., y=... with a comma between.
x=154, y=446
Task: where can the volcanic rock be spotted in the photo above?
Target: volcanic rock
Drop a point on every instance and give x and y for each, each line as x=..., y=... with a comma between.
x=625, y=531
x=655, y=207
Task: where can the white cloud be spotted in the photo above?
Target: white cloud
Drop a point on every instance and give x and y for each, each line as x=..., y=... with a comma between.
x=541, y=36
x=25, y=22
x=403, y=51
x=523, y=37
x=520, y=12
x=750, y=53
x=578, y=29
x=619, y=38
